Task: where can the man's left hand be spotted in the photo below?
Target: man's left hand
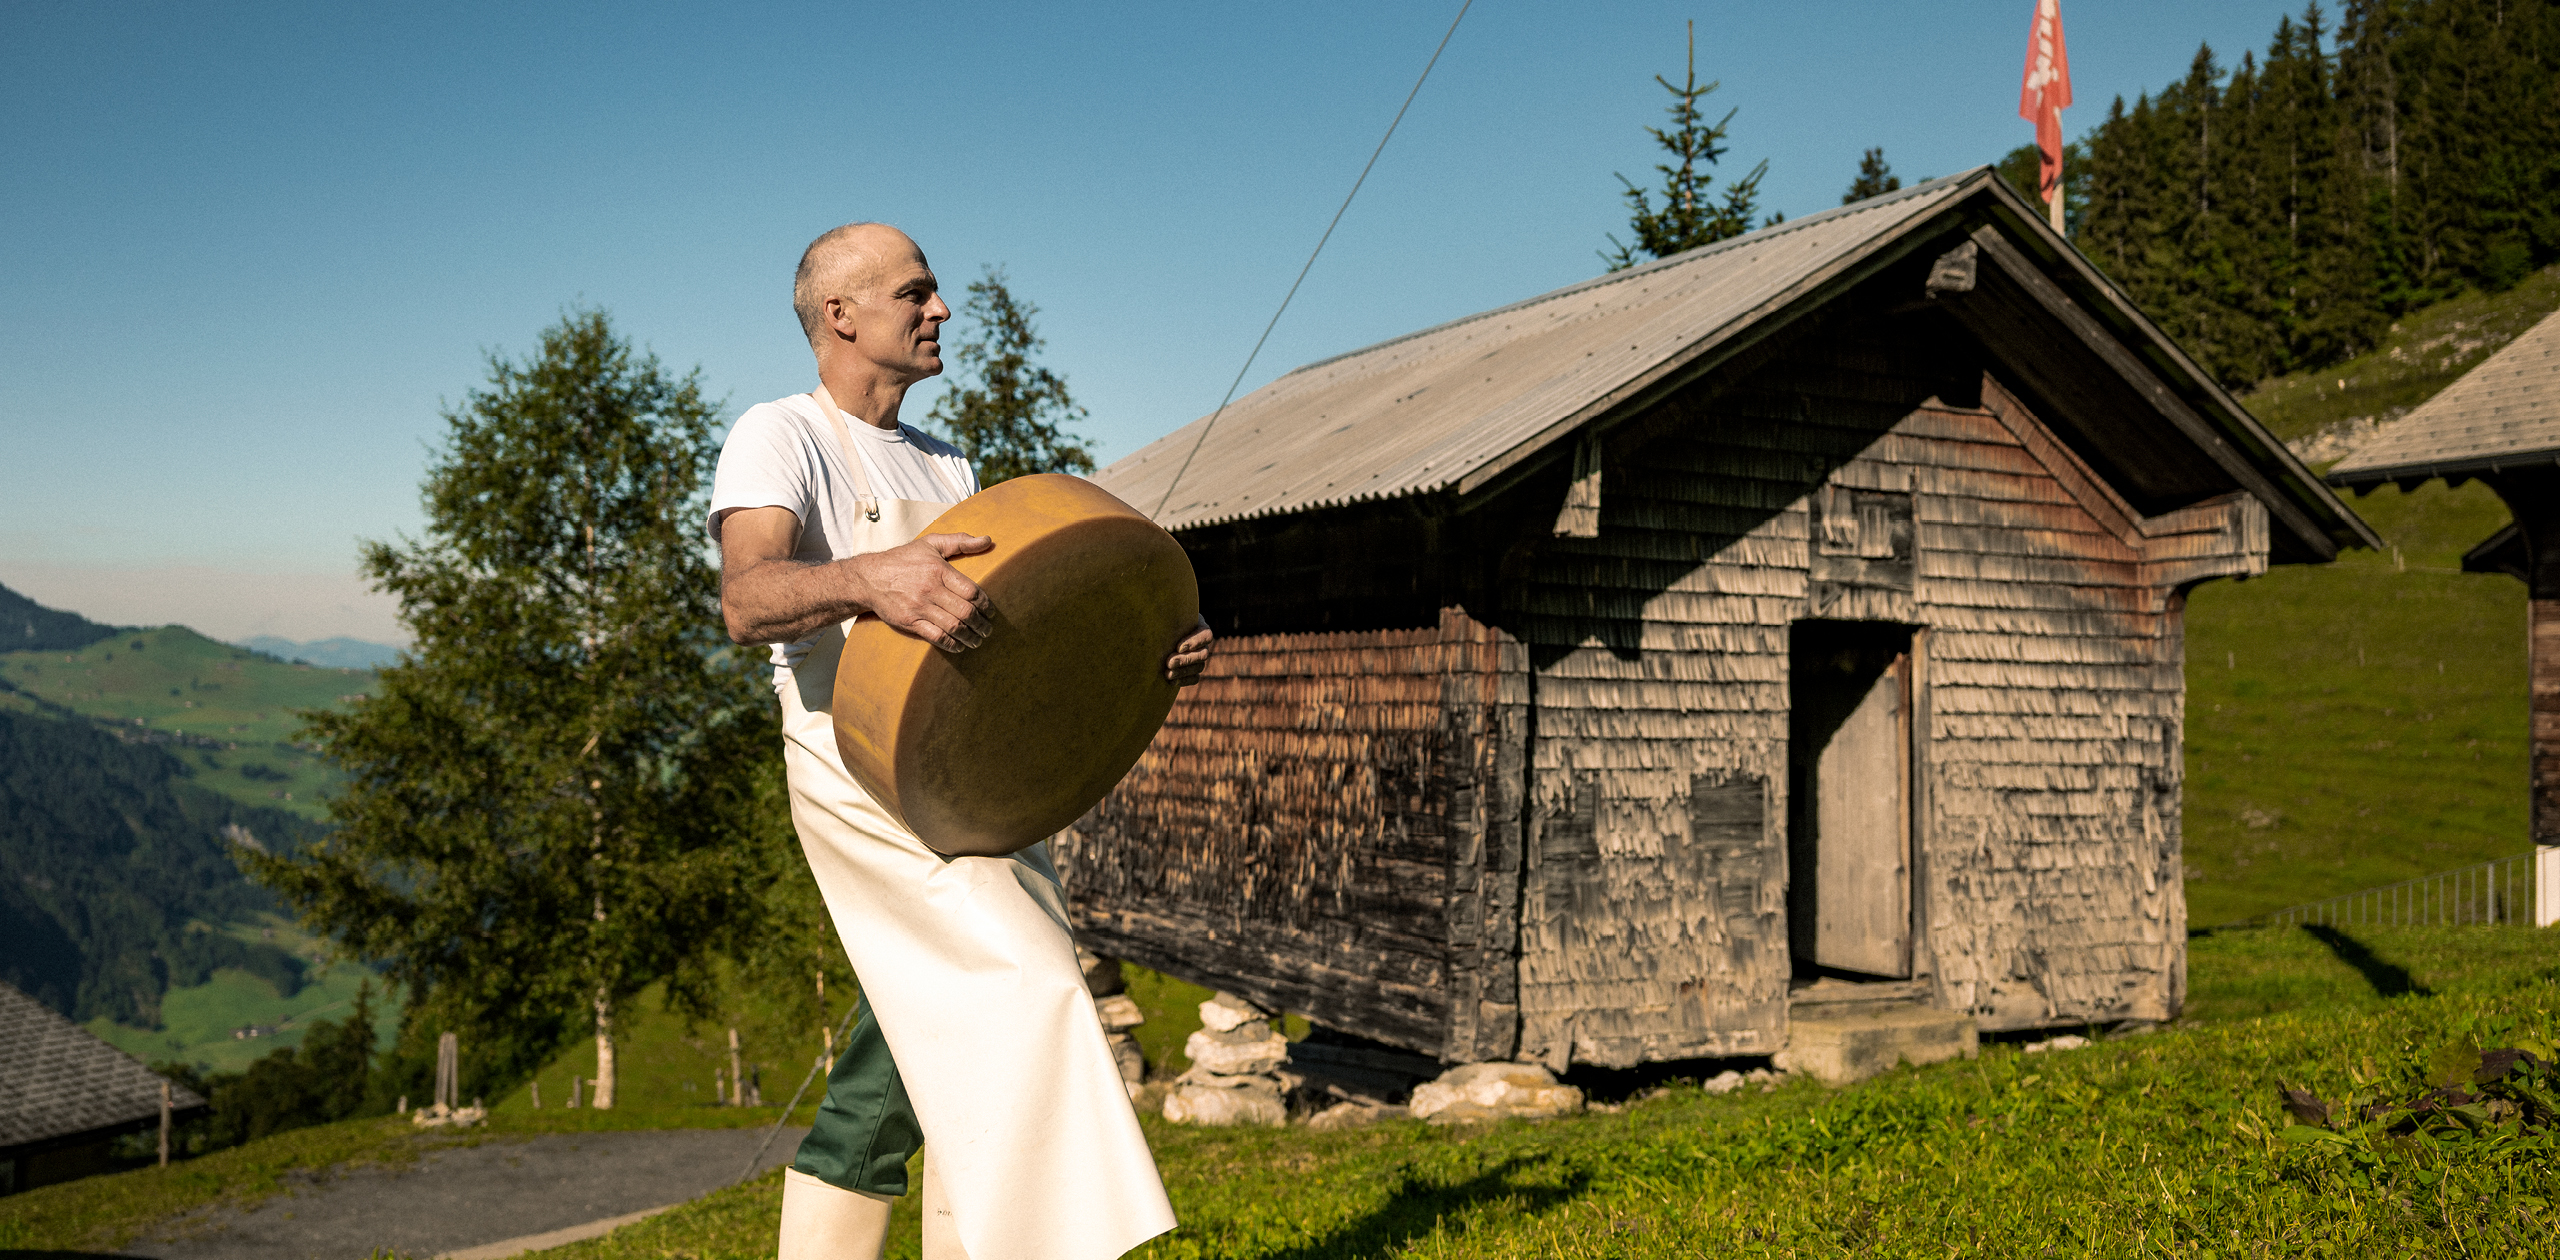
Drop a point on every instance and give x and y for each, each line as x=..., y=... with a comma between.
x=1183, y=667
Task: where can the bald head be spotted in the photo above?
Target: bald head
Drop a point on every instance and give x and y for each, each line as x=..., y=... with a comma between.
x=845, y=262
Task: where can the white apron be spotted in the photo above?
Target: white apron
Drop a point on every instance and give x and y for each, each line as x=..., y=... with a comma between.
x=970, y=967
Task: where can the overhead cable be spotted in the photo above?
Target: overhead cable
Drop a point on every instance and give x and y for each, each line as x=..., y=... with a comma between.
x=1203, y=439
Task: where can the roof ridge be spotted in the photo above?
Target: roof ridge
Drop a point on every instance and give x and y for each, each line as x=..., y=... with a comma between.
x=1682, y=259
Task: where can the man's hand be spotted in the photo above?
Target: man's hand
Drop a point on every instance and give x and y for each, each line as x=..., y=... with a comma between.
x=1182, y=668
x=914, y=589
x=767, y=597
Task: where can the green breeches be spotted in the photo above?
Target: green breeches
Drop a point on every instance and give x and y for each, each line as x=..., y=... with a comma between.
x=866, y=1130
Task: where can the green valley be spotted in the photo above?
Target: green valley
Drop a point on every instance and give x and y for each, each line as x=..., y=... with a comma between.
x=227, y=712
x=235, y=1017
x=135, y=760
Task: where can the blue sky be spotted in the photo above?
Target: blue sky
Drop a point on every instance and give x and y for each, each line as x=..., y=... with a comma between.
x=249, y=253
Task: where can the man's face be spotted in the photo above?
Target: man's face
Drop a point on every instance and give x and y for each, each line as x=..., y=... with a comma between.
x=895, y=314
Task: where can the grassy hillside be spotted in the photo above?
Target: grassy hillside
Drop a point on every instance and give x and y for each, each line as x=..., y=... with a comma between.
x=226, y=711
x=664, y=1064
x=2356, y=723
x=117, y=872
x=2426, y=351
x=2363, y=722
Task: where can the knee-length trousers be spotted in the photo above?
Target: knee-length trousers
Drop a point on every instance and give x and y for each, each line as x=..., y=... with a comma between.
x=866, y=1130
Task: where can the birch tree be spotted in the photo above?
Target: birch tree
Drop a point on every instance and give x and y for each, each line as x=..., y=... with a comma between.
x=551, y=802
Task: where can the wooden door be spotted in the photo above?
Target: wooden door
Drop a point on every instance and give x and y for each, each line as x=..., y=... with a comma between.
x=1862, y=819
x=1849, y=893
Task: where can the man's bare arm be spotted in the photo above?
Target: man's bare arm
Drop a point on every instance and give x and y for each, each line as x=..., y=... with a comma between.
x=768, y=597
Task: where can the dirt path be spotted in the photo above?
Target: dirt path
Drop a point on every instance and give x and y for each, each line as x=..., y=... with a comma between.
x=470, y=1196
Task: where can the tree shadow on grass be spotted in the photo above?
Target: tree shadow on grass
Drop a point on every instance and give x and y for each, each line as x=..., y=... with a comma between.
x=2387, y=979
x=1419, y=1205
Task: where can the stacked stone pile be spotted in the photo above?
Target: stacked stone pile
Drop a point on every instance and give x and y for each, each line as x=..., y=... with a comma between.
x=1119, y=1013
x=1235, y=1061
x=438, y=1115
x=1475, y=1092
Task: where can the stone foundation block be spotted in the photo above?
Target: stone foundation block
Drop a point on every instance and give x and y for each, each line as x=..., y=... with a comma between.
x=1854, y=1046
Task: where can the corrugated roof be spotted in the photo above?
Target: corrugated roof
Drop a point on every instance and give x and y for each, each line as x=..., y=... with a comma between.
x=1420, y=412
x=57, y=1080
x=2504, y=413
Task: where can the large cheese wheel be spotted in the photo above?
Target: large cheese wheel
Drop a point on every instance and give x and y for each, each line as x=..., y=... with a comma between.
x=991, y=750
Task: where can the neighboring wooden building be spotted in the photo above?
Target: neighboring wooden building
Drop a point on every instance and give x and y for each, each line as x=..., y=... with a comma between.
x=65, y=1096
x=2501, y=424
x=1597, y=670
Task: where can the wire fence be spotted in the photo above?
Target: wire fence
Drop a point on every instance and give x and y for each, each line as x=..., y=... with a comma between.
x=2521, y=889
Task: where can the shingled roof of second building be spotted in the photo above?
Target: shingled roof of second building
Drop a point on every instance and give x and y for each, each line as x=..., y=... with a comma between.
x=56, y=1080
x=2503, y=414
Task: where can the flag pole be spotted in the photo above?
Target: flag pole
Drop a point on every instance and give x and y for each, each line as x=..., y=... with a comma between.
x=2043, y=94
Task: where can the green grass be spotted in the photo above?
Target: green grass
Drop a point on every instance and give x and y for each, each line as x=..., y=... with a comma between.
x=173, y=681
x=2162, y=1144
x=2423, y=353
x=2244, y=973
x=2356, y=723
x=663, y=1065
x=198, y=1020
x=2158, y=1145
x=1173, y=1014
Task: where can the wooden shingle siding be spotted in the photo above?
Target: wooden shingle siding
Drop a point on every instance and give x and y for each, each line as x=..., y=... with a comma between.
x=2052, y=708
x=1322, y=827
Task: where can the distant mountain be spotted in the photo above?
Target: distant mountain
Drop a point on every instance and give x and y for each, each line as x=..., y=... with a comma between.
x=26, y=625
x=339, y=653
x=117, y=874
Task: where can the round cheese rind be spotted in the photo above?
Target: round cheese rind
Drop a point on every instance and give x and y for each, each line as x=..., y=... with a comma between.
x=988, y=751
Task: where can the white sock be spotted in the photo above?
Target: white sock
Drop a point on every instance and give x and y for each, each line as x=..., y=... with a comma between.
x=823, y=1222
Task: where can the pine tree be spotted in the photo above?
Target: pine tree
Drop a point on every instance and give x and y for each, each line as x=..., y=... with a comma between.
x=1874, y=179
x=552, y=803
x=1687, y=217
x=1008, y=414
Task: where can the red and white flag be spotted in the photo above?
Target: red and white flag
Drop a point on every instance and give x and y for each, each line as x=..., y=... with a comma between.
x=2045, y=93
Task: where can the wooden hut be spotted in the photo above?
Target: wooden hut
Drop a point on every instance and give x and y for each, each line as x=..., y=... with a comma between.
x=1599, y=670
x=65, y=1097
x=2500, y=423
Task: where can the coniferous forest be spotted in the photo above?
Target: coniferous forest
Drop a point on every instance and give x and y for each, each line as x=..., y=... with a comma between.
x=2279, y=213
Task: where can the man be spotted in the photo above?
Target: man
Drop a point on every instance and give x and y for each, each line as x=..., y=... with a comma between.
x=976, y=1003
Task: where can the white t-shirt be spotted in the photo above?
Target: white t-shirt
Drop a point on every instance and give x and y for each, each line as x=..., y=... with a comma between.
x=784, y=454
